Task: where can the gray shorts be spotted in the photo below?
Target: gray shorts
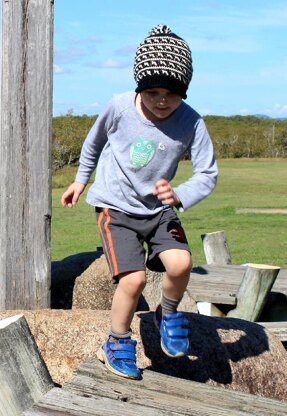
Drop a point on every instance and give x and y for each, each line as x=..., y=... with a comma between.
x=123, y=237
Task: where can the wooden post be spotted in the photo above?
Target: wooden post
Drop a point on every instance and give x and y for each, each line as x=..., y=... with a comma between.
x=25, y=156
x=216, y=248
x=253, y=291
x=24, y=377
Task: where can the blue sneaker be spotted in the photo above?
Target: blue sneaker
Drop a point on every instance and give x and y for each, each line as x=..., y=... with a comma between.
x=120, y=357
x=174, y=333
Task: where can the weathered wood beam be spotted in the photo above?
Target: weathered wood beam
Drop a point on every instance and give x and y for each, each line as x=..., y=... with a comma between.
x=94, y=391
x=24, y=377
x=158, y=390
x=277, y=328
x=254, y=289
x=216, y=248
x=25, y=157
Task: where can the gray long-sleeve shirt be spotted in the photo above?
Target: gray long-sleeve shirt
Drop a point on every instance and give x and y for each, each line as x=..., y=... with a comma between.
x=130, y=154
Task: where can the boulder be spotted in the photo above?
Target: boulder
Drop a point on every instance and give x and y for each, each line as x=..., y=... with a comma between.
x=227, y=352
x=94, y=289
x=64, y=273
x=151, y=295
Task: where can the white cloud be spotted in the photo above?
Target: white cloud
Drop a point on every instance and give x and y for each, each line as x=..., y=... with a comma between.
x=126, y=50
x=94, y=39
x=109, y=63
x=244, y=112
x=61, y=108
x=231, y=43
x=60, y=70
x=94, y=105
x=276, y=73
x=269, y=16
x=69, y=55
x=279, y=110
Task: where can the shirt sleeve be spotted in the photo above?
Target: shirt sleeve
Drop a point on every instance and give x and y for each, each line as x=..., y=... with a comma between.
x=94, y=144
x=204, y=169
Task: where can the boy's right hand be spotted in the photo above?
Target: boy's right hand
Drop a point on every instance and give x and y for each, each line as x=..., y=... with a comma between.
x=72, y=194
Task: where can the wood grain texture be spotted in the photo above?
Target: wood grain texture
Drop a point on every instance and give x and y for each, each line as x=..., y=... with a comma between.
x=220, y=283
x=24, y=377
x=277, y=328
x=215, y=248
x=95, y=391
x=25, y=157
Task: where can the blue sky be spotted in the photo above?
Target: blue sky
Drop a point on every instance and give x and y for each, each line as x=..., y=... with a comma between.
x=239, y=51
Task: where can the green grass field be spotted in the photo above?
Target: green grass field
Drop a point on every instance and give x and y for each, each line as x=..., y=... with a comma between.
x=242, y=183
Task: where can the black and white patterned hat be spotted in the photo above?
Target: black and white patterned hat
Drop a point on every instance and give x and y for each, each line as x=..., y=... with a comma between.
x=163, y=60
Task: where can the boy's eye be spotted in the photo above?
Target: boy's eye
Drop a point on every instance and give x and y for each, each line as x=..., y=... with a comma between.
x=152, y=93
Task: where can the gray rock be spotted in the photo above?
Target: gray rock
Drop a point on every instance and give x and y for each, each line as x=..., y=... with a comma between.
x=94, y=288
x=151, y=295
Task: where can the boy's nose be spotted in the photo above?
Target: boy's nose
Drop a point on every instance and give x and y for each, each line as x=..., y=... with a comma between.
x=162, y=99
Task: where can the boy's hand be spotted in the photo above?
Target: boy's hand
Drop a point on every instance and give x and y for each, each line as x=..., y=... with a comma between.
x=164, y=192
x=72, y=194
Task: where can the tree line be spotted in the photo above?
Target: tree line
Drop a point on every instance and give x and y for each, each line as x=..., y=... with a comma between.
x=233, y=137
x=248, y=136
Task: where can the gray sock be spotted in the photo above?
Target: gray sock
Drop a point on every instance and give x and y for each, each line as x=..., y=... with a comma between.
x=116, y=336
x=169, y=306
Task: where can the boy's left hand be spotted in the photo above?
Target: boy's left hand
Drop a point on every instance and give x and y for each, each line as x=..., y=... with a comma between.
x=164, y=192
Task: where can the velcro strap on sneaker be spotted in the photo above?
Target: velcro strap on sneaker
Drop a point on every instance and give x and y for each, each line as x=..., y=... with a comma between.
x=117, y=347
x=124, y=355
x=177, y=332
x=176, y=326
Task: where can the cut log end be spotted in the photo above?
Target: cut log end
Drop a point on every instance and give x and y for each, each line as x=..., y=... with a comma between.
x=8, y=321
x=263, y=266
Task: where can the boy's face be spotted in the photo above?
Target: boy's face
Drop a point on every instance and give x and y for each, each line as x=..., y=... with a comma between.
x=159, y=103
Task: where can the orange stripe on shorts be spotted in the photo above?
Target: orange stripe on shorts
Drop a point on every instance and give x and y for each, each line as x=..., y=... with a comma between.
x=110, y=249
x=100, y=220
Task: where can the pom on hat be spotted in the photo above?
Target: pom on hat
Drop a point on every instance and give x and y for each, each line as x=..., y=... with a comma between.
x=163, y=60
x=160, y=29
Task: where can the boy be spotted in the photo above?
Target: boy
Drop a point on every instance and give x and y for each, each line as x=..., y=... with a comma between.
x=136, y=145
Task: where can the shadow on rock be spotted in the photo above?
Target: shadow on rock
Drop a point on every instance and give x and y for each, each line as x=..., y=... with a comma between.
x=215, y=343
x=64, y=274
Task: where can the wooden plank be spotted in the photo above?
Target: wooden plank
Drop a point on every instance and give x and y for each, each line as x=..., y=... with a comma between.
x=25, y=156
x=146, y=398
x=215, y=284
x=213, y=296
x=187, y=396
x=59, y=402
x=220, y=284
x=277, y=328
x=281, y=282
x=95, y=391
x=24, y=377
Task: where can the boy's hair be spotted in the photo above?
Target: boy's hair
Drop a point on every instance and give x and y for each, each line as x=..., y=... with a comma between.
x=163, y=60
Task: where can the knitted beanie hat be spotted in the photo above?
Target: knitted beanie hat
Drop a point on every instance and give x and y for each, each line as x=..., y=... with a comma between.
x=163, y=60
